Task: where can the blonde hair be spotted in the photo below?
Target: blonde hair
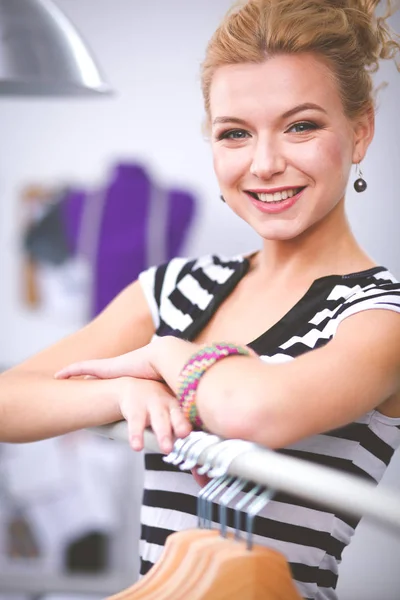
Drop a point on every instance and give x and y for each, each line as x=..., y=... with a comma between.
x=346, y=33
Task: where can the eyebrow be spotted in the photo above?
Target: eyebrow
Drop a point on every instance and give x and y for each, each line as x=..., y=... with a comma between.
x=286, y=115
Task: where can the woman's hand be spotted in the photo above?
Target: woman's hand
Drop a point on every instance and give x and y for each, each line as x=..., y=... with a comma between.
x=137, y=363
x=145, y=403
x=161, y=360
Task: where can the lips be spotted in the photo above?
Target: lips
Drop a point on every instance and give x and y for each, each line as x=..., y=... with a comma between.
x=276, y=195
x=271, y=205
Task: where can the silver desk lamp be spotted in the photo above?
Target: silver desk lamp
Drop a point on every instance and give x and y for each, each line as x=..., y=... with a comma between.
x=42, y=54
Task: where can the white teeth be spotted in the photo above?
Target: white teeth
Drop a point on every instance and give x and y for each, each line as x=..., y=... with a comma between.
x=278, y=196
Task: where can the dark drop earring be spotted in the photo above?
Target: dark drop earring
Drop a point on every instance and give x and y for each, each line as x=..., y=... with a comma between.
x=360, y=185
x=222, y=198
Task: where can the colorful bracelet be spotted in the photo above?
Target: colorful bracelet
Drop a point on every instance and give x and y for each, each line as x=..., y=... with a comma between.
x=195, y=368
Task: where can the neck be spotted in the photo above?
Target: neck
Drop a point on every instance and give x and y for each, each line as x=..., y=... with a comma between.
x=327, y=248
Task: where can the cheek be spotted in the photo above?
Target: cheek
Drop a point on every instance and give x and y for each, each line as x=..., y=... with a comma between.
x=330, y=151
x=335, y=160
x=230, y=166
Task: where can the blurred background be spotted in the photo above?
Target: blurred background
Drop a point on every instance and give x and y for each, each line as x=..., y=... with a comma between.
x=92, y=191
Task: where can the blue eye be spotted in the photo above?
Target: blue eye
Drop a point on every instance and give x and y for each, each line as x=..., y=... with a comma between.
x=304, y=126
x=233, y=134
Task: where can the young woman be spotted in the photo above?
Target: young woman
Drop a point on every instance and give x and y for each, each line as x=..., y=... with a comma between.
x=289, y=105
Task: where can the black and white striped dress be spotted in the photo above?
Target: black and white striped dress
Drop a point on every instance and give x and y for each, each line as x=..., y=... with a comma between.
x=183, y=295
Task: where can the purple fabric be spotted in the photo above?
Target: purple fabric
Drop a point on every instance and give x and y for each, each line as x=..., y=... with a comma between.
x=123, y=237
x=121, y=253
x=182, y=210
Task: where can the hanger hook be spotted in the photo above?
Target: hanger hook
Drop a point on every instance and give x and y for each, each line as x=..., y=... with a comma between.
x=229, y=450
x=215, y=454
x=235, y=489
x=195, y=451
x=225, y=482
x=182, y=447
x=240, y=506
x=202, y=500
x=254, y=509
x=211, y=458
x=175, y=450
x=221, y=456
x=212, y=493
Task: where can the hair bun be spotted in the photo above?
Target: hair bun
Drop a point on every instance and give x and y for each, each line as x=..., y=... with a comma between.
x=377, y=40
x=349, y=34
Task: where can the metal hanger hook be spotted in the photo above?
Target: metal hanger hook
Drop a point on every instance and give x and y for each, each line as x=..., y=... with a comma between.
x=229, y=450
x=240, y=506
x=202, y=500
x=216, y=464
x=182, y=447
x=213, y=491
x=254, y=509
x=235, y=489
x=211, y=458
x=196, y=450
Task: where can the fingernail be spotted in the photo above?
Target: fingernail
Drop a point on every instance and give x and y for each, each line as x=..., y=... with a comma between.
x=136, y=443
x=183, y=430
x=166, y=444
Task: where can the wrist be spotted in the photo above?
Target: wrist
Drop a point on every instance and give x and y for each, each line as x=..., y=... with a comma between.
x=204, y=358
x=168, y=356
x=102, y=400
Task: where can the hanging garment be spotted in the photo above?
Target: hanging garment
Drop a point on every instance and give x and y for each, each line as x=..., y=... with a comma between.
x=125, y=227
x=86, y=247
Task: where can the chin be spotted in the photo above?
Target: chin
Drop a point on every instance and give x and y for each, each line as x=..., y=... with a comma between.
x=281, y=233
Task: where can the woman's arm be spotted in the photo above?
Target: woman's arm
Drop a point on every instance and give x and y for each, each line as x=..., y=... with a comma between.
x=278, y=404
x=33, y=405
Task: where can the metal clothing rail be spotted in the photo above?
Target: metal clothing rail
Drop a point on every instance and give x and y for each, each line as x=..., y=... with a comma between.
x=322, y=485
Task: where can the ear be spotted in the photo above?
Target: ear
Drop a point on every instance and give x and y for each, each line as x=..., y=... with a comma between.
x=364, y=129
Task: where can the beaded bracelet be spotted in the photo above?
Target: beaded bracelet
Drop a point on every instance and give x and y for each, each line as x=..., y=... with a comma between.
x=195, y=368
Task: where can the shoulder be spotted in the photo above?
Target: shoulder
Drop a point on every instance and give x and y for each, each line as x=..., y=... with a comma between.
x=186, y=279
x=373, y=303
x=377, y=279
x=379, y=289
x=169, y=274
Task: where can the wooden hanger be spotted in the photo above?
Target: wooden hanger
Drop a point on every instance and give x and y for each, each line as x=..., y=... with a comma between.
x=197, y=562
x=257, y=574
x=202, y=564
x=175, y=550
x=214, y=568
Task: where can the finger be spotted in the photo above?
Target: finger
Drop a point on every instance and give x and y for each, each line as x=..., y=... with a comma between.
x=103, y=368
x=180, y=425
x=161, y=424
x=137, y=422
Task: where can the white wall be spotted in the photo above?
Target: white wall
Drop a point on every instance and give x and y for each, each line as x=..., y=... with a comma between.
x=151, y=50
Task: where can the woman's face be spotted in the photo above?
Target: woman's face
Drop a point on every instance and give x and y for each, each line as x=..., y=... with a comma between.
x=282, y=145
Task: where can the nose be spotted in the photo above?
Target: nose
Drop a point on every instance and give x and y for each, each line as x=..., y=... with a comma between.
x=267, y=160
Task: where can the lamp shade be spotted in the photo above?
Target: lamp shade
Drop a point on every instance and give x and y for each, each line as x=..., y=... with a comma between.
x=42, y=54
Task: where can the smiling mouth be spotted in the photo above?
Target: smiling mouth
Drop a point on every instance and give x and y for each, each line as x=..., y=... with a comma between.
x=277, y=196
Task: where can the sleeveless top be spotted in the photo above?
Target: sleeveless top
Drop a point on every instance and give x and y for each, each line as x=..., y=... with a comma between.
x=183, y=295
